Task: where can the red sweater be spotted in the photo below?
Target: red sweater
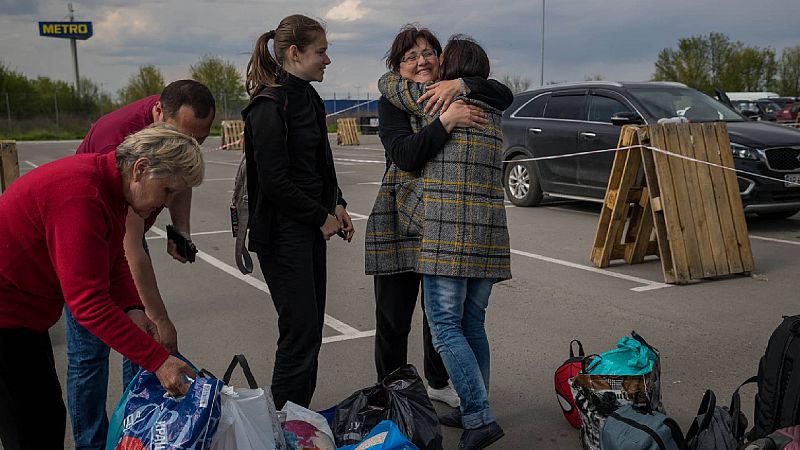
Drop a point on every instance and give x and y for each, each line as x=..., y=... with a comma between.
x=61, y=231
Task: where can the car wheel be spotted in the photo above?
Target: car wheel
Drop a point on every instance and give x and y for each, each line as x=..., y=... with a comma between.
x=778, y=214
x=522, y=182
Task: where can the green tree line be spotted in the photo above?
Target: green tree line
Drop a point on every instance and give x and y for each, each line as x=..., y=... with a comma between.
x=705, y=62
x=24, y=98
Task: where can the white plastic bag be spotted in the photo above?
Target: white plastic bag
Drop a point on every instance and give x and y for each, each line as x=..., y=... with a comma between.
x=306, y=429
x=248, y=420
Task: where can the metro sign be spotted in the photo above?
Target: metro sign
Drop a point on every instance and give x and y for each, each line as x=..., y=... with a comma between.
x=70, y=30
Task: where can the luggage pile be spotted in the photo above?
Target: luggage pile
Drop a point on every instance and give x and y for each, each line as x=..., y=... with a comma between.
x=395, y=414
x=614, y=398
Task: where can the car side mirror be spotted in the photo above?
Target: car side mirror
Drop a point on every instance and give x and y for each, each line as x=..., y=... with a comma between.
x=626, y=118
x=750, y=114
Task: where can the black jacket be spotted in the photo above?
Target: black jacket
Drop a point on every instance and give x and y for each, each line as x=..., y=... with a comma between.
x=410, y=151
x=290, y=167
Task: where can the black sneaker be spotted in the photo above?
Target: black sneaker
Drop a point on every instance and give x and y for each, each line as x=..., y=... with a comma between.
x=478, y=438
x=452, y=419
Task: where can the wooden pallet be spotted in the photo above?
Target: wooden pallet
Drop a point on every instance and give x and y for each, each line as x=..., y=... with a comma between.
x=232, y=134
x=694, y=210
x=346, y=131
x=9, y=163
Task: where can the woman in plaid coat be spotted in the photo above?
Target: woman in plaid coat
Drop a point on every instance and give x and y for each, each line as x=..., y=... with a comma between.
x=456, y=206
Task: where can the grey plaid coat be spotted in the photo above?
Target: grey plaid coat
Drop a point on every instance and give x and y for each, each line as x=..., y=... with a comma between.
x=456, y=206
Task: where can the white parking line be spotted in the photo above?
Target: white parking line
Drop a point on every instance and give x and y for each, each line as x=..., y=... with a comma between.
x=649, y=285
x=223, y=162
x=31, y=164
x=782, y=241
x=346, y=331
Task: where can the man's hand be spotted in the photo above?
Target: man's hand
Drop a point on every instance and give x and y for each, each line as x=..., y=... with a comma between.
x=172, y=248
x=171, y=374
x=330, y=227
x=142, y=321
x=168, y=334
x=441, y=94
x=345, y=222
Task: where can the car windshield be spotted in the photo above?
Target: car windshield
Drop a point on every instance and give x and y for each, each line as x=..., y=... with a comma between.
x=694, y=105
x=770, y=107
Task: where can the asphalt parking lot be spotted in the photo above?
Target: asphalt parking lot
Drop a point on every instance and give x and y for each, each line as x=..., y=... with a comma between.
x=710, y=333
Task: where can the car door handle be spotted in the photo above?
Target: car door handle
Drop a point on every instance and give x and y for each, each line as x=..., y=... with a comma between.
x=587, y=135
x=535, y=130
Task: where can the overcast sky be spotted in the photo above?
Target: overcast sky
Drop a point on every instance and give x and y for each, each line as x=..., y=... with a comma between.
x=618, y=40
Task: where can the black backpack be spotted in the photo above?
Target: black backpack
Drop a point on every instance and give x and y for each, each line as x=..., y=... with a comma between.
x=777, y=403
x=717, y=427
x=240, y=207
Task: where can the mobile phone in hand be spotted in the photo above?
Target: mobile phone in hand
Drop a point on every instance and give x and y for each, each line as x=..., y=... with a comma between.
x=185, y=247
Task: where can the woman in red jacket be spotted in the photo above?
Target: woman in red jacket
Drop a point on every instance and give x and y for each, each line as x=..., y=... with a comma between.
x=61, y=230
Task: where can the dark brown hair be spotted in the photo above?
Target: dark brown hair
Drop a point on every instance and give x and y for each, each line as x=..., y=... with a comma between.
x=264, y=69
x=464, y=57
x=187, y=92
x=405, y=40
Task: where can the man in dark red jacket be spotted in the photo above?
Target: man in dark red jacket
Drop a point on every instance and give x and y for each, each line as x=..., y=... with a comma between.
x=61, y=232
x=189, y=106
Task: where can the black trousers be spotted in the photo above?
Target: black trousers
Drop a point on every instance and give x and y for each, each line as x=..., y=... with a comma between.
x=32, y=414
x=395, y=301
x=295, y=271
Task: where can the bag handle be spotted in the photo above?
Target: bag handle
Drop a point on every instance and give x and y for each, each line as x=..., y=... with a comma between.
x=641, y=340
x=677, y=433
x=248, y=374
x=589, y=362
x=580, y=349
x=736, y=407
x=706, y=409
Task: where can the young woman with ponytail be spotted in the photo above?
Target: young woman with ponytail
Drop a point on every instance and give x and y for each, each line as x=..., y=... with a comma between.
x=295, y=202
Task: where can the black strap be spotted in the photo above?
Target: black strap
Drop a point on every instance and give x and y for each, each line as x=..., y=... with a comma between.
x=677, y=433
x=641, y=340
x=588, y=360
x=656, y=438
x=580, y=348
x=248, y=374
x=706, y=410
x=736, y=408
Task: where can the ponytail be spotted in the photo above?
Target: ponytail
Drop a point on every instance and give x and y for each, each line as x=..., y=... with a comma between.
x=262, y=69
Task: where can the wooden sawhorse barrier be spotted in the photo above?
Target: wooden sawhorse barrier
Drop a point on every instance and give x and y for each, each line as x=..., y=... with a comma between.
x=9, y=163
x=232, y=134
x=346, y=131
x=688, y=213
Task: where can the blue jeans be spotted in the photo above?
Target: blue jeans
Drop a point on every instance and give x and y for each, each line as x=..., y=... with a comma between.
x=87, y=383
x=456, y=309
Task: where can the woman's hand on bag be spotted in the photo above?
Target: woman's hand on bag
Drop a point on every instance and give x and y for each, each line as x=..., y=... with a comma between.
x=440, y=95
x=461, y=114
x=330, y=227
x=172, y=376
x=345, y=222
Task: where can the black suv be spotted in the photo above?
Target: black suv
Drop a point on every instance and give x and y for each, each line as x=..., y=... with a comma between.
x=576, y=117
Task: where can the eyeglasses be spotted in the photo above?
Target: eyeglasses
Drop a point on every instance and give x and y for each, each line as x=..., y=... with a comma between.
x=413, y=57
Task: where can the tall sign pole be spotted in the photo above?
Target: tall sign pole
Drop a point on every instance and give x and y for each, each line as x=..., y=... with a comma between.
x=74, y=48
x=541, y=74
x=69, y=30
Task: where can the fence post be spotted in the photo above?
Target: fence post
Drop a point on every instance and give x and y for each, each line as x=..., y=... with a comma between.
x=8, y=112
x=225, y=104
x=55, y=102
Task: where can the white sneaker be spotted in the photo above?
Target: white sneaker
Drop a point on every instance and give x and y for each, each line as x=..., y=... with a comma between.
x=446, y=395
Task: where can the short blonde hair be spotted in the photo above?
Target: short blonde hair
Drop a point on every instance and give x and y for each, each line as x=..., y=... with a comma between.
x=169, y=152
